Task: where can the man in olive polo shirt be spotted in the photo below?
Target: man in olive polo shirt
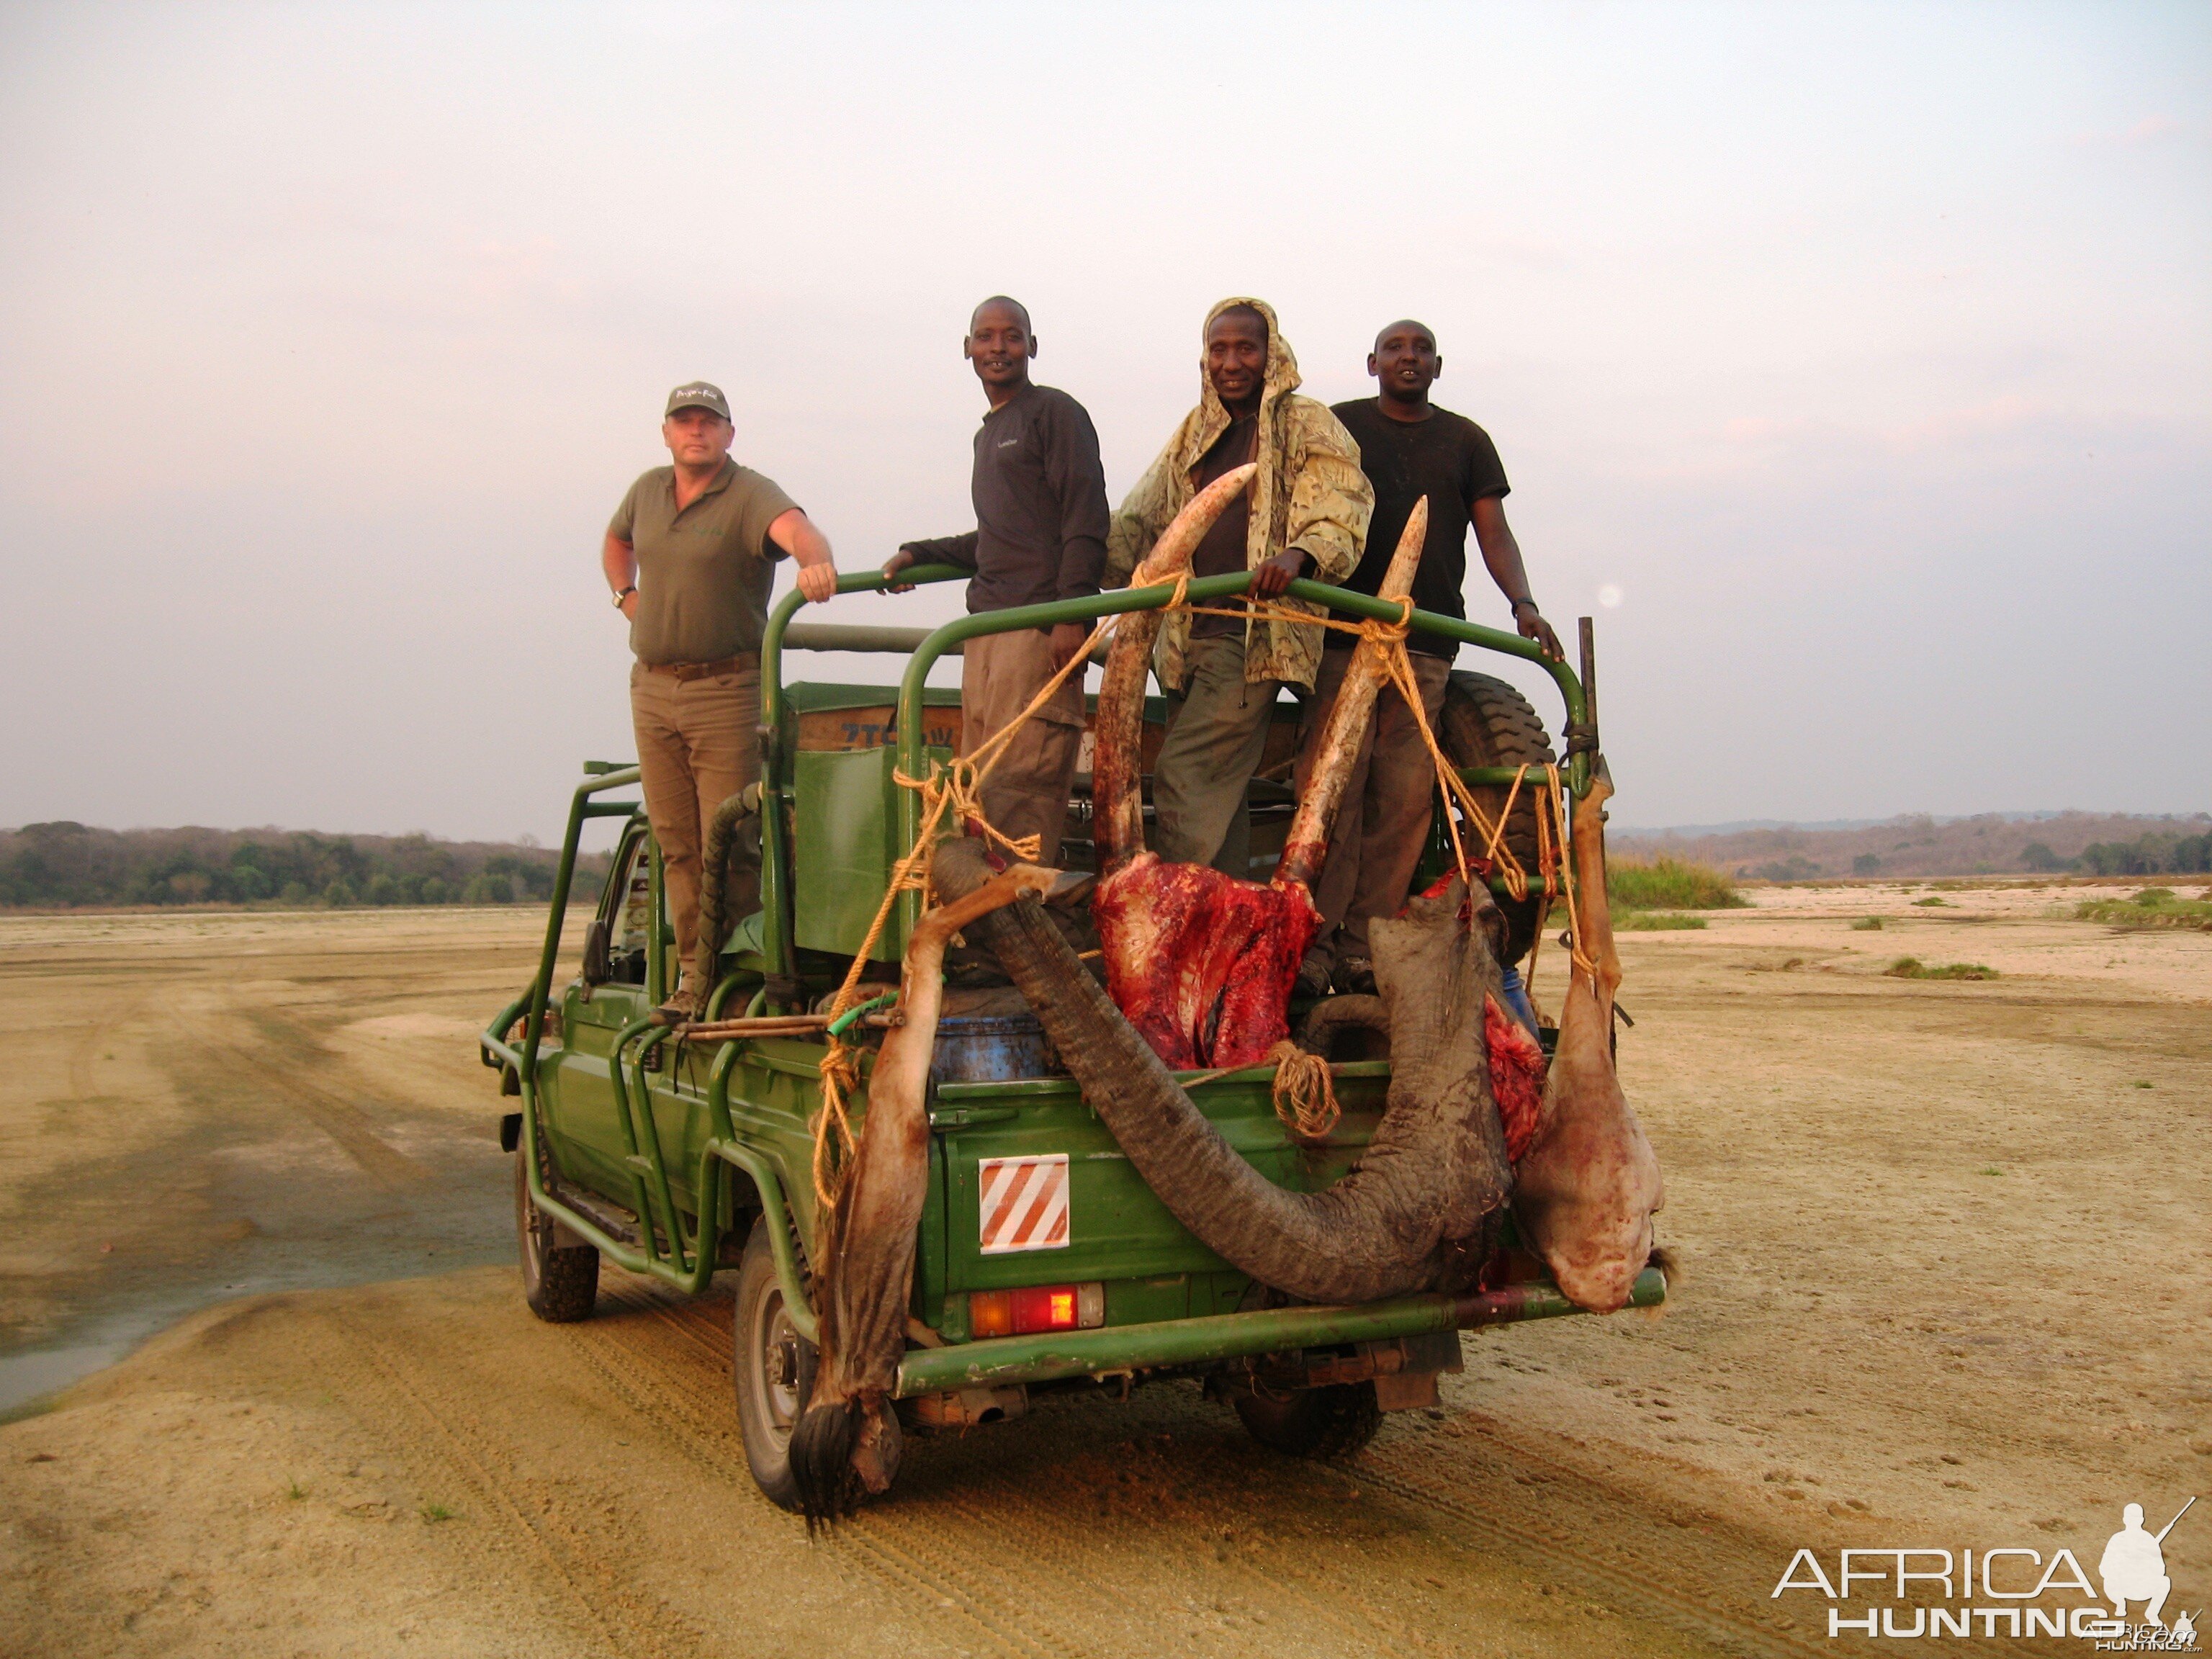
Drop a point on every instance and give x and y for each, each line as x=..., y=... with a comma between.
x=691, y=555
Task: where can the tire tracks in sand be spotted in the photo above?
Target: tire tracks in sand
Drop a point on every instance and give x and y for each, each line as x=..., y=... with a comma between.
x=669, y=1362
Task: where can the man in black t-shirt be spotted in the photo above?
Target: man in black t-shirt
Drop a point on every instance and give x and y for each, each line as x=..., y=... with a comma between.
x=1040, y=535
x=1408, y=448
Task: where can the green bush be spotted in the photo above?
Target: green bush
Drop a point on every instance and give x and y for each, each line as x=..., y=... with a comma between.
x=1866, y=864
x=2145, y=911
x=488, y=889
x=1654, y=921
x=1670, y=883
x=1924, y=904
x=1867, y=925
x=1913, y=968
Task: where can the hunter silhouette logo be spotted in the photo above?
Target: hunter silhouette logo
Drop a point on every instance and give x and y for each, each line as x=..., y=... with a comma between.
x=2133, y=1567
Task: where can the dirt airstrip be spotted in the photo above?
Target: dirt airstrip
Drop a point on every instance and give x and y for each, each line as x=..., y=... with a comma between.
x=1945, y=1282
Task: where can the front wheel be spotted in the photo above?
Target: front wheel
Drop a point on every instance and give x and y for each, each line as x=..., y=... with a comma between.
x=560, y=1282
x=773, y=1370
x=1335, y=1421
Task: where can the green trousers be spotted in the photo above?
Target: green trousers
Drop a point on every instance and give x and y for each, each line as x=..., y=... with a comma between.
x=1217, y=731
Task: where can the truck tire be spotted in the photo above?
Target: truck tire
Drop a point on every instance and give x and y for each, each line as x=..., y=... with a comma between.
x=560, y=1282
x=1336, y=1421
x=1487, y=723
x=773, y=1368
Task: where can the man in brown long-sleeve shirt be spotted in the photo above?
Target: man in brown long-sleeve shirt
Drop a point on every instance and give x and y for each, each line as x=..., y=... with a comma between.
x=1040, y=535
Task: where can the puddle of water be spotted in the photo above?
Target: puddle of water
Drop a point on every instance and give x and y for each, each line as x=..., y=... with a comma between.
x=309, y=1231
x=25, y=1377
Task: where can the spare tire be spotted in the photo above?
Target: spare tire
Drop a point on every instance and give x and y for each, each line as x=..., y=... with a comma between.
x=1487, y=723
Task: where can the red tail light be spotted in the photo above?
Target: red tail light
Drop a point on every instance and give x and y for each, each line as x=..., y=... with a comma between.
x=1035, y=1307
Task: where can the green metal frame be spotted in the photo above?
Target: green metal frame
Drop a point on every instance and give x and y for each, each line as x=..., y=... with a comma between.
x=689, y=1260
x=777, y=780
x=689, y=1270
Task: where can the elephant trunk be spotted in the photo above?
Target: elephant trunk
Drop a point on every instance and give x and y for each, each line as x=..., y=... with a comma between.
x=1434, y=1170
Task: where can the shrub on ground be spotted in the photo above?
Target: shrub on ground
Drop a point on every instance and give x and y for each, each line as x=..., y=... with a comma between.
x=1913, y=968
x=1654, y=921
x=1670, y=883
x=2154, y=907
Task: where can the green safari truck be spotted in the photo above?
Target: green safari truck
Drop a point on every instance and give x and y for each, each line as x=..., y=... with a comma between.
x=1043, y=1261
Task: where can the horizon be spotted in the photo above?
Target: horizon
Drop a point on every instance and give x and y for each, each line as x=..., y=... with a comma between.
x=530, y=840
x=1852, y=367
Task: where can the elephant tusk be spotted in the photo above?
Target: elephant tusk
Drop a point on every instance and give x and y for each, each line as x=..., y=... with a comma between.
x=1307, y=848
x=1117, y=763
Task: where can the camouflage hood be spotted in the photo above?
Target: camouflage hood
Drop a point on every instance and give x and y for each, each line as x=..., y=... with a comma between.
x=1309, y=494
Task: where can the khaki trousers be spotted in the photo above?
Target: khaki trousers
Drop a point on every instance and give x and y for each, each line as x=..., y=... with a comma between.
x=1026, y=793
x=1217, y=733
x=698, y=744
x=1383, y=821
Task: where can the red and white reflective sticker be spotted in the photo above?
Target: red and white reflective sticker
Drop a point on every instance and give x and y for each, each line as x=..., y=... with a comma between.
x=1024, y=1203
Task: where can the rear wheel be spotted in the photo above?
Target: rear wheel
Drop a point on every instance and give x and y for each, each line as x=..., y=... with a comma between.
x=1335, y=1421
x=560, y=1282
x=773, y=1367
x=1487, y=723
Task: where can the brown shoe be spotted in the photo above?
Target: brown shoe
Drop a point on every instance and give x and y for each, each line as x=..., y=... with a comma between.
x=1355, y=976
x=683, y=1006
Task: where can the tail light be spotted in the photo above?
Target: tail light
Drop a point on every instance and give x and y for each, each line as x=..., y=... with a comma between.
x=1036, y=1308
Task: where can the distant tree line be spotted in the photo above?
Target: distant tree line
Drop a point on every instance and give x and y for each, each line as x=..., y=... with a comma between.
x=2146, y=856
x=65, y=864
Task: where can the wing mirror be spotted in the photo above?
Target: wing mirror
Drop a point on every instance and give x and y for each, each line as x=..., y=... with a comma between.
x=598, y=970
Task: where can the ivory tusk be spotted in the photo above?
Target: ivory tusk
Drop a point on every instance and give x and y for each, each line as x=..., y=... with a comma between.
x=1118, y=815
x=1307, y=847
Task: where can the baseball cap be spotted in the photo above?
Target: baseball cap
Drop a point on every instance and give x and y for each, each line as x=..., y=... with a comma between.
x=697, y=394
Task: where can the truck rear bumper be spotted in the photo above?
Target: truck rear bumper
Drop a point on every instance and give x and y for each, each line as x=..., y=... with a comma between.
x=1045, y=1359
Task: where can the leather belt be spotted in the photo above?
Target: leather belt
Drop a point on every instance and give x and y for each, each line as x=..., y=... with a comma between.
x=681, y=671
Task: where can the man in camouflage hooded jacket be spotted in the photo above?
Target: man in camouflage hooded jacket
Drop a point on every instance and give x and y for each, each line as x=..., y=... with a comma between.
x=1305, y=515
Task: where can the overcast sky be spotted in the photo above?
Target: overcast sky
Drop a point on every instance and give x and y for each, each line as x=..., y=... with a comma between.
x=1860, y=351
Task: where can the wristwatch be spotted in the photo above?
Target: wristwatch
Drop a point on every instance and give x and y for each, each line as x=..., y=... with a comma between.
x=624, y=594
x=1517, y=605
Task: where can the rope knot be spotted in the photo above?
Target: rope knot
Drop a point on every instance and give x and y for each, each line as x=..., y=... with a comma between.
x=1304, y=1092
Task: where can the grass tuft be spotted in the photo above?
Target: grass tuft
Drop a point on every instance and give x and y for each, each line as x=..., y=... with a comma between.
x=434, y=1513
x=294, y=1491
x=1913, y=968
x=1924, y=904
x=1867, y=925
x=1653, y=921
x=1670, y=883
x=2154, y=907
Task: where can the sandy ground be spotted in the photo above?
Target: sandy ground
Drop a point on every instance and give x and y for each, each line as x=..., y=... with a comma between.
x=1945, y=1283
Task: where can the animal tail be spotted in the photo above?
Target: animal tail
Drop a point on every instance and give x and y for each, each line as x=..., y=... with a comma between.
x=821, y=1446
